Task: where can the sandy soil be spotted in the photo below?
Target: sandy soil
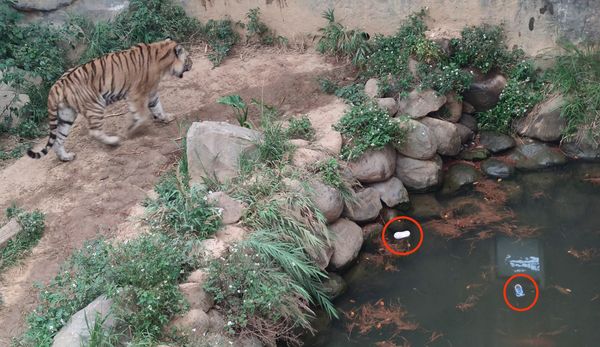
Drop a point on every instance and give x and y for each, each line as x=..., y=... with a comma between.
x=94, y=195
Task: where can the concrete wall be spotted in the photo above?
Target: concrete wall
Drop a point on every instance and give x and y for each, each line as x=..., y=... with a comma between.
x=535, y=25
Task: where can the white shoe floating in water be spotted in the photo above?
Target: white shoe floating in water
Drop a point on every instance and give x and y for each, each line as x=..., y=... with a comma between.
x=399, y=235
x=519, y=291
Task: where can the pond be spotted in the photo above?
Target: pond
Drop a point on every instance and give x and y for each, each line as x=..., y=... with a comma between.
x=450, y=292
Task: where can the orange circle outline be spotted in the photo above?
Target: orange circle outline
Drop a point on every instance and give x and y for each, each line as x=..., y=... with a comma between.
x=535, y=300
x=389, y=248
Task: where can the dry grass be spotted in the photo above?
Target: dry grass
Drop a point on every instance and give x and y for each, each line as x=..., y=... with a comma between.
x=584, y=255
x=378, y=315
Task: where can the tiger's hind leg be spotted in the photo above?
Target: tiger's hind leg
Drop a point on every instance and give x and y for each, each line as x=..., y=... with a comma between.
x=156, y=109
x=138, y=111
x=66, y=118
x=95, y=118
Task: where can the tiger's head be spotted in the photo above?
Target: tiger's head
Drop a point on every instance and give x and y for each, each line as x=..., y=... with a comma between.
x=182, y=62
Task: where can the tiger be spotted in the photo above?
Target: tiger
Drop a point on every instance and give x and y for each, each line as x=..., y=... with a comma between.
x=87, y=89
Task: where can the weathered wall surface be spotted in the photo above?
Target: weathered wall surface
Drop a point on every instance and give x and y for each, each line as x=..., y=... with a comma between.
x=535, y=25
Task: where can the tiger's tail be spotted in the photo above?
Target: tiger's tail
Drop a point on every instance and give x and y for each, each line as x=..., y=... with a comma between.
x=53, y=117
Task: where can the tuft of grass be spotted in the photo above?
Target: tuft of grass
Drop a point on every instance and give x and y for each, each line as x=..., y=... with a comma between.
x=239, y=107
x=221, y=37
x=327, y=86
x=368, y=127
x=354, y=94
x=32, y=224
x=300, y=128
x=258, y=30
x=99, y=336
x=576, y=74
x=338, y=41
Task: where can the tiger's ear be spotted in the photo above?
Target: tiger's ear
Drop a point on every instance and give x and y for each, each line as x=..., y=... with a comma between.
x=178, y=50
x=168, y=38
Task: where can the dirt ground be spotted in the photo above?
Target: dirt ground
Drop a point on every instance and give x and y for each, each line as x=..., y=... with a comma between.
x=94, y=195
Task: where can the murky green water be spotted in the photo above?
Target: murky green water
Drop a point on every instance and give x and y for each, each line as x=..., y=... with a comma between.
x=443, y=273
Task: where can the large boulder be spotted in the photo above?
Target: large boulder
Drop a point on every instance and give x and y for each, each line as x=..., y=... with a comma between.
x=230, y=234
x=474, y=154
x=420, y=103
x=496, y=142
x=484, y=92
x=196, y=296
x=459, y=175
x=420, y=141
x=389, y=105
x=446, y=134
x=534, y=156
x=41, y=5
x=322, y=120
x=419, y=175
x=304, y=157
x=374, y=165
x=76, y=331
x=347, y=242
x=544, y=121
x=454, y=107
x=231, y=210
x=214, y=149
x=469, y=121
x=363, y=206
x=425, y=206
x=464, y=133
x=584, y=149
x=392, y=192
x=327, y=199
x=195, y=323
x=372, y=88
x=497, y=168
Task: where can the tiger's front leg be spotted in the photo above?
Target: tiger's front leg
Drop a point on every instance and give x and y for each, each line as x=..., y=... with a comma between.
x=138, y=114
x=156, y=109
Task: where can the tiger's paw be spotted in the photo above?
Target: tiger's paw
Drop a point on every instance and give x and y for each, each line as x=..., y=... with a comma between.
x=111, y=140
x=67, y=156
x=165, y=118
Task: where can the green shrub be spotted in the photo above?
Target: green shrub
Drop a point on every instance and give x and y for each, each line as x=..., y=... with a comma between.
x=144, y=281
x=221, y=37
x=354, y=94
x=576, y=74
x=327, y=86
x=239, y=107
x=32, y=224
x=257, y=30
x=483, y=47
x=521, y=94
x=445, y=79
x=181, y=210
x=367, y=127
x=300, y=128
x=330, y=173
x=338, y=41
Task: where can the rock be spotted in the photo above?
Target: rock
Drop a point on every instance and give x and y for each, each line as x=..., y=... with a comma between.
x=458, y=176
x=420, y=103
x=76, y=331
x=299, y=143
x=41, y=5
x=469, y=121
x=323, y=258
x=327, y=199
x=446, y=134
x=322, y=119
x=425, y=206
x=534, y=156
x=210, y=249
x=474, y=154
x=209, y=157
x=389, y=105
x=216, y=321
x=372, y=230
x=419, y=175
x=230, y=234
x=347, y=242
x=196, y=296
x=454, y=107
x=544, y=121
x=8, y=231
x=334, y=286
x=231, y=209
x=195, y=322
x=420, y=141
x=464, y=133
x=372, y=88
x=364, y=205
x=10, y=102
x=496, y=142
x=580, y=150
x=497, y=168
x=374, y=165
x=198, y=276
x=413, y=67
x=391, y=192
x=484, y=92
x=468, y=108
x=304, y=157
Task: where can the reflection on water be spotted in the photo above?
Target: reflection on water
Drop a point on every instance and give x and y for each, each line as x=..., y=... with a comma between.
x=453, y=288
